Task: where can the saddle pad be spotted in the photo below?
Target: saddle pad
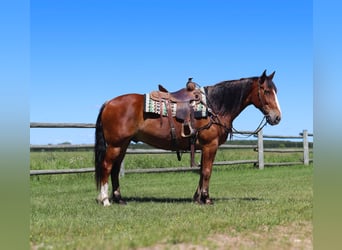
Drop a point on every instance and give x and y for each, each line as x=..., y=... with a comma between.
x=152, y=106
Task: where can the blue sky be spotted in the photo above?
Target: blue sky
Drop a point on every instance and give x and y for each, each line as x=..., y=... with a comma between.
x=86, y=52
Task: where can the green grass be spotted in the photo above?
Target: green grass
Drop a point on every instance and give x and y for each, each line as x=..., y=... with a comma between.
x=84, y=159
x=64, y=214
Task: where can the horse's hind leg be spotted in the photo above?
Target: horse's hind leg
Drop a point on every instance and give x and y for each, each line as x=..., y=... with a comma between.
x=103, y=195
x=111, y=157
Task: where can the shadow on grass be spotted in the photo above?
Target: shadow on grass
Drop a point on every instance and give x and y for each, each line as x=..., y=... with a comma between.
x=186, y=200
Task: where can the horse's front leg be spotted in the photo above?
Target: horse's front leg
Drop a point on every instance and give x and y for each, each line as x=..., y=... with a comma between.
x=201, y=195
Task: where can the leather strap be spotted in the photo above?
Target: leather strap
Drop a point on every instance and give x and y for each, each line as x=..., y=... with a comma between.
x=174, y=143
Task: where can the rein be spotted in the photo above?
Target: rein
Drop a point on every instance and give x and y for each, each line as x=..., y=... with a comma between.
x=262, y=124
x=232, y=130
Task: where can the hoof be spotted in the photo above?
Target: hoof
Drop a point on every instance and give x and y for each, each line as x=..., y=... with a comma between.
x=202, y=199
x=209, y=202
x=204, y=202
x=118, y=200
x=105, y=202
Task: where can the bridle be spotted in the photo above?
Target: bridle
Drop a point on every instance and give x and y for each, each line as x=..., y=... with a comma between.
x=261, y=125
x=260, y=99
x=214, y=119
x=263, y=121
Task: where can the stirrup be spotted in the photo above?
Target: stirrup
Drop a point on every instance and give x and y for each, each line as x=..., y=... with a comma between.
x=191, y=131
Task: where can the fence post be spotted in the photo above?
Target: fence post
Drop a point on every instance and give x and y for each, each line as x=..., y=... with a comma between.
x=122, y=169
x=305, y=147
x=260, y=150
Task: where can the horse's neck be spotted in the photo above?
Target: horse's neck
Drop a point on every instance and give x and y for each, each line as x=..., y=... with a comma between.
x=228, y=118
x=229, y=99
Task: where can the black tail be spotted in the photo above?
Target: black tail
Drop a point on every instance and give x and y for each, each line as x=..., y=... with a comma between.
x=100, y=149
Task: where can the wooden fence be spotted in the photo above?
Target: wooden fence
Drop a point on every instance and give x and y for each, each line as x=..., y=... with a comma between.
x=259, y=147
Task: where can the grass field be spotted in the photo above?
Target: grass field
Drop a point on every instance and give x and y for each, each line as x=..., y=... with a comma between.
x=254, y=209
x=82, y=159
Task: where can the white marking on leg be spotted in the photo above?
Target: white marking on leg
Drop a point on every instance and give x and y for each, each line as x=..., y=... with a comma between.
x=103, y=195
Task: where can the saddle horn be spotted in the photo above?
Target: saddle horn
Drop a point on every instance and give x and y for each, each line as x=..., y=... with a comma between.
x=190, y=85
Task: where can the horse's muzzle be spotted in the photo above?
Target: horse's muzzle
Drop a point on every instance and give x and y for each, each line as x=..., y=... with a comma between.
x=273, y=118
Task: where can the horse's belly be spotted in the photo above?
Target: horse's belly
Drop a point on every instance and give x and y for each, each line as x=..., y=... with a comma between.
x=157, y=133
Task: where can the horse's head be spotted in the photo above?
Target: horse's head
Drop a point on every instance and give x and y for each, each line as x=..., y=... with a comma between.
x=265, y=98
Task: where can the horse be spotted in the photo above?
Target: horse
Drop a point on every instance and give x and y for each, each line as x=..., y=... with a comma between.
x=122, y=120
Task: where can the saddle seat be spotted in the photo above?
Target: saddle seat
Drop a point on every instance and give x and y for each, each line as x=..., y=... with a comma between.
x=185, y=95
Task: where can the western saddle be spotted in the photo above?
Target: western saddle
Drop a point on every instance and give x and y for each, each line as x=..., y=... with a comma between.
x=185, y=98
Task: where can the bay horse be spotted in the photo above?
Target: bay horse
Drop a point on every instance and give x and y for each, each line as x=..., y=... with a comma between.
x=122, y=120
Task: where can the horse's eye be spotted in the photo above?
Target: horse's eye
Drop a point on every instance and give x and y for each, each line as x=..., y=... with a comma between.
x=267, y=92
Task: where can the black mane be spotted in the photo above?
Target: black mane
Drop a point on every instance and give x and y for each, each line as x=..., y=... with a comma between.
x=226, y=97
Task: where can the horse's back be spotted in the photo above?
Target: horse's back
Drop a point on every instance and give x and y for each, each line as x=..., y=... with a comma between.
x=122, y=115
x=124, y=106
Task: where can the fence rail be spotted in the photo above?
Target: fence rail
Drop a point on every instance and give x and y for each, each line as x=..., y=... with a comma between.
x=61, y=125
x=258, y=147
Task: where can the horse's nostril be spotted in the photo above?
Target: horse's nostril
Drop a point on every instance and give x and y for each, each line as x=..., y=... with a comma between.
x=278, y=118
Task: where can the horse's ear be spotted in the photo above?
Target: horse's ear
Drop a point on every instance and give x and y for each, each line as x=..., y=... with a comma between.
x=263, y=77
x=271, y=75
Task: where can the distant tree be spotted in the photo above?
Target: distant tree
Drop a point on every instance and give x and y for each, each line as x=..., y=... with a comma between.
x=65, y=143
